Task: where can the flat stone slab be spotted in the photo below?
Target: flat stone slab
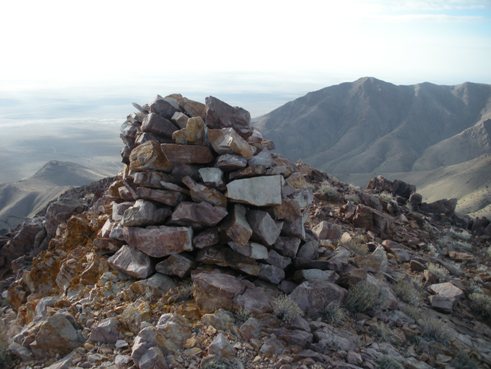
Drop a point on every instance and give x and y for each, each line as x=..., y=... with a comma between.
x=256, y=191
x=132, y=262
x=198, y=214
x=160, y=241
x=149, y=156
x=187, y=154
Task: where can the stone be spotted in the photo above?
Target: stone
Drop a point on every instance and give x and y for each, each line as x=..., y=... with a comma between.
x=272, y=346
x=287, y=246
x=163, y=108
x=213, y=290
x=253, y=250
x=313, y=297
x=442, y=303
x=417, y=266
x=64, y=363
x=180, y=119
x=226, y=257
x=144, y=213
x=251, y=329
x=276, y=259
x=175, y=329
x=221, y=348
x=182, y=170
x=187, y=154
x=255, y=300
x=228, y=141
x=198, y=214
x=238, y=229
x=192, y=134
x=119, y=209
x=262, y=159
x=159, y=241
x=447, y=290
x=212, y=176
x=149, y=156
x=326, y=230
x=264, y=228
x=295, y=228
x=372, y=220
x=313, y=275
x=154, y=123
x=147, y=338
x=229, y=162
x=169, y=198
x=247, y=172
x=295, y=337
x=135, y=315
x=151, y=179
x=200, y=192
x=59, y=334
x=190, y=107
x=271, y=273
x=153, y=358
x=132, y=262
x=257, y=191
x=121, y=361
x=206, y=238
x=309, y=250
x=221, y=115
x=153, y=287
x=106, y=331
x=176, y=265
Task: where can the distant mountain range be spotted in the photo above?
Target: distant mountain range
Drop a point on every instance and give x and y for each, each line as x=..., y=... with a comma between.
x=437, y=137
x=27, y=197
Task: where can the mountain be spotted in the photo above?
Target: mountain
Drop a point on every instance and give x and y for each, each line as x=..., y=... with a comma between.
x=368, y=127
x=27, y=197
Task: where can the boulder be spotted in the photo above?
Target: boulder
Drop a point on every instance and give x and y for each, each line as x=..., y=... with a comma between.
x=163, y=108
x=144, y=213
x=176, y=265
x=206, y=238
x=271, y=273
x=118, y=210
x=326, y=230
x=198, y=214
x=149, y=156
x=106, y=331
x=276, y=259
x=221, y=115
x=313, y=297
x=159, y=241
x=187, y=154
x=200, y=192
x=132, y=262
x=211, y=176
x=255, y=300
x=313, y=275
x=228, y=141
x=221, y=347
x=257, y=191
x=169, y=198
x=264, y=228
x=213, y=290
x=238, y=229
x=158, y=125
x=180, y=119
x=152, y=179
x=229, y=162
x=175, y=329
x=287, y=246
x=192, y=134
x=253, y=250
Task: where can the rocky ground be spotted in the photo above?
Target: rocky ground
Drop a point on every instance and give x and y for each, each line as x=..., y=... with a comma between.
x=210, y=251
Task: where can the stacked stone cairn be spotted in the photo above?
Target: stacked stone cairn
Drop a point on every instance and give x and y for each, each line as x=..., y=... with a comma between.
x=202, y=195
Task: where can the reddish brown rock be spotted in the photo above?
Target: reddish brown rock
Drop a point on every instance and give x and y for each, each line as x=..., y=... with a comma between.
x=177, y=265
x=200, y=192
x=132, y=262
x=192, y=134
x=213, y=290
x=187, y=154
x=198, y=214
x=154, y=123
x=206, y=238
x=264, y=228
x=160, y=241
x=238, y=229
x=163, y=108
x=169, y=198
x=149, y=156
x=221, y=115
x=228, y=141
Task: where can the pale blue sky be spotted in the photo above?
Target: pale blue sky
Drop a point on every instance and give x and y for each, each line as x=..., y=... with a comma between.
x=62, y=49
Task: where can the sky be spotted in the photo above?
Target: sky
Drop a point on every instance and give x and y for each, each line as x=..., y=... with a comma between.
x=257, y=52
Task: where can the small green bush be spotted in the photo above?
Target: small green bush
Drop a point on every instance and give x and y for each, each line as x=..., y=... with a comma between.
x=386, y=362
x=328, y=191
x=463, y=361
x=412, y=311
x=334, y=314
x=286, y=309
x=386, y=196
x=407, y=292
x=438, y=271
x=481, y=304
x=219, y=364
x=183, y=292
x=363, y=297
x=434, y=330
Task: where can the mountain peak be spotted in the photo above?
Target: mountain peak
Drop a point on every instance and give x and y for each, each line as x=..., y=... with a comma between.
x=65, y=173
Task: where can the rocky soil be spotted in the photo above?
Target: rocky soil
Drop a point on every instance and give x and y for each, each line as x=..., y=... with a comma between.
x=210, y=251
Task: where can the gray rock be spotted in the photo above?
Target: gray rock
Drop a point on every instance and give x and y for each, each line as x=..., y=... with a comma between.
x=253, y=250
x=276, y=259
x=177, y=264
x=221, y=347
x=154, y=123
x=153, y=358
x=309, y=251
x=119, y=209
x=200, y=192
x=151, y=179
x=163, y=107
x=271, y=273
x=159, y=241
x=264, y=228
x=228, y=141
x=313, y=275
x=149, y=156
x=144, y=213
x=198, y=214
x=229, y=162
x=180, y=119
x=313, y=297
x=327, y=230
x=295, y=228
x=263, y=159
x=175, y=329
x=255, y=300
x=287, y=246
x=106, y=331
x=132, y=262
x=257, y=191
x=212, y=176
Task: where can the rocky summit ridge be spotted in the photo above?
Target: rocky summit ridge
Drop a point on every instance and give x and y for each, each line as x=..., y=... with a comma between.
x=209, y=250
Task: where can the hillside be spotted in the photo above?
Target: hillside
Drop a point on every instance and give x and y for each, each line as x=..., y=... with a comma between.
x=27, y=197
x=369, y=127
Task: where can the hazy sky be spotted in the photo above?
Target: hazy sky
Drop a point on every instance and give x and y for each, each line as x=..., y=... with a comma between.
x=116, y=47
